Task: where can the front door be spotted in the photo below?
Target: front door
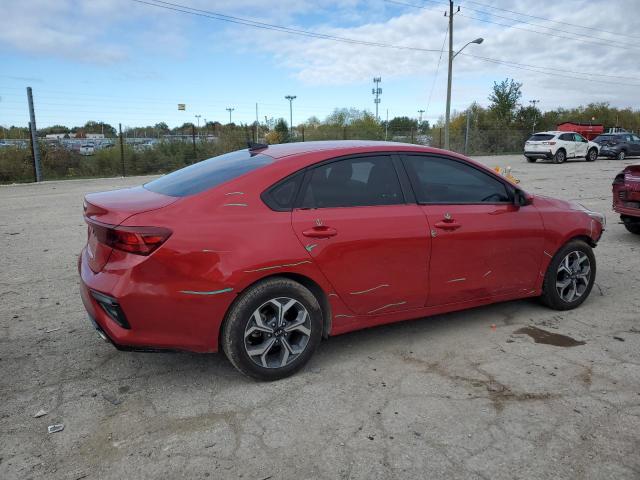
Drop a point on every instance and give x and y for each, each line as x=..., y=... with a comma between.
x=482, y=244
x=568, y=143
x=372, y=246
x=581, y=144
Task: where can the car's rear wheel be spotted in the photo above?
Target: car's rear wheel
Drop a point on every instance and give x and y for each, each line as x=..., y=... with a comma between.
x=531, y=160
x=621, y=155
x=560, y=156
x=632, y=224
x=272, y=329
x=592, y=155
x=570, y=276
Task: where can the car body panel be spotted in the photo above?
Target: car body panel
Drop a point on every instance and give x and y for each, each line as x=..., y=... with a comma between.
x=226, y=239
x=626, y=192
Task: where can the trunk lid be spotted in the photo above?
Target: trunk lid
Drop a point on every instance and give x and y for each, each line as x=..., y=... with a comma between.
x=111, y=209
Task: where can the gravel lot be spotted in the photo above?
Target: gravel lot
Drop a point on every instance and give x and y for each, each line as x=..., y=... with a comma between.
x=442, y=397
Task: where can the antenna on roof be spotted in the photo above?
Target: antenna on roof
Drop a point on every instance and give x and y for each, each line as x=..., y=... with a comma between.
x=256, y=146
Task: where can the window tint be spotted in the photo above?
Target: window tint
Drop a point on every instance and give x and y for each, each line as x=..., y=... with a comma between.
x=281, y=196
x=207, y=174
x=441, y=180
x=567, y=137
x=540, y=137
x=635, y=138
x=365, y=181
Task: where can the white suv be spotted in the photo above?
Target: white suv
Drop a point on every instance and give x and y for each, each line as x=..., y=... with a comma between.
x=558, y=146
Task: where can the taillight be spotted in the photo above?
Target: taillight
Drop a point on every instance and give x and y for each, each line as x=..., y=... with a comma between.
x=552, y=143
x=136, y=240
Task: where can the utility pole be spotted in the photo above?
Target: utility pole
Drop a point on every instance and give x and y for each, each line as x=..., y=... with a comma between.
x=121, y=149
x=377, y=91
x=448, y=110
x=34, y=137
x=257, y=123
x=466, y=132
x=291, y=98
x=193, y=139
x=386, y=126
x=229, y=109
x=533, y=102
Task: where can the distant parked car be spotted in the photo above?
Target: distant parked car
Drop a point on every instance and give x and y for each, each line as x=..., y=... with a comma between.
x=626, y=197
x=618, y=145
x=558, y=146
x=87, y=149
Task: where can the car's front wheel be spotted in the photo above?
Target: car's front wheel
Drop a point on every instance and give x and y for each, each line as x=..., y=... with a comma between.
x=592, y=155
x=272, y=329
x=570, y=276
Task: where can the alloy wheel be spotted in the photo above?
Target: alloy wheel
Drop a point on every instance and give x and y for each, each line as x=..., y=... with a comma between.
x=277, y=332
x=573, y=275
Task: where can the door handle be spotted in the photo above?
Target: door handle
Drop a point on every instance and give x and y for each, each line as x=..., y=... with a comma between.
x=320, y=231
x=448, y=225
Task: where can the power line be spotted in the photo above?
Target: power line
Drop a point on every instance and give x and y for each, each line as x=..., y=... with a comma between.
x=549, y=20
x=267, y=26
x=435, y=76
x=576, y=36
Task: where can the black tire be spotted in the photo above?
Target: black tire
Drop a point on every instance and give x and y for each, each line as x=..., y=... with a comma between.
x=531, y=160
x=592, y=155
x=240, y=315
x=560, y=156
x=550, y=295
x=633, y=227
x=621, y=155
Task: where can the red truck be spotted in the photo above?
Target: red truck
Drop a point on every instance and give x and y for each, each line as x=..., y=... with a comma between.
x=587, y=130
x=626, y=197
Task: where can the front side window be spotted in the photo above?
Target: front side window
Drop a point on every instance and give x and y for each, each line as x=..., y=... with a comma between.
x=354, y=182
x=443, y=180
x=579, y=138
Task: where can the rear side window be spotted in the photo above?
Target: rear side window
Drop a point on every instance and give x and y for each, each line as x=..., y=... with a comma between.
x=540, y=137
x=355, y=182
x=442, y=180
x=207, y=174
x=282, y=195
x=568, y=137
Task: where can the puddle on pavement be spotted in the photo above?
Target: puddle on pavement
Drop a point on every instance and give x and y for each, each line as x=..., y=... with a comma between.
x=548, y=338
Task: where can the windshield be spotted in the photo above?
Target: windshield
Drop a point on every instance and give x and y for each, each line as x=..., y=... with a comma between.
x=207, y=174
x=604, y=138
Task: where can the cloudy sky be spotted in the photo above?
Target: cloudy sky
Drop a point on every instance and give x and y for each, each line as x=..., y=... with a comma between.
x=132, y=61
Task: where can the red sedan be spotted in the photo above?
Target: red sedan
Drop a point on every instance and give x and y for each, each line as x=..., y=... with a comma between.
x=262, y=252
x=626, y=197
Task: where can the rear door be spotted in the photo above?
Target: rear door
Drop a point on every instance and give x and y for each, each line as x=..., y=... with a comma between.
x=372, y=246
x=482, y=244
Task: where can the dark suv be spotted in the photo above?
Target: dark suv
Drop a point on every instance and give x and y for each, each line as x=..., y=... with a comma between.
x=618, y=145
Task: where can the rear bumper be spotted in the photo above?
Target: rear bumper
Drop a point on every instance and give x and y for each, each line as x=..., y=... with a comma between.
x=156, y=320
x=628, y=211
x=547, y=155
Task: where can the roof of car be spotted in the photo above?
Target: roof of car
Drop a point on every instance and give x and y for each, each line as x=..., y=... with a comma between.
x=341, y=147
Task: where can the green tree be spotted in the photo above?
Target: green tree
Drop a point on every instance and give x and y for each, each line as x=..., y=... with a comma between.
x=404, y=124
x=282, y=129
x=504, y=99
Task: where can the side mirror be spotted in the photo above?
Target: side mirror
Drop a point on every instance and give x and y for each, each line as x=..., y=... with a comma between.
x=522, y=198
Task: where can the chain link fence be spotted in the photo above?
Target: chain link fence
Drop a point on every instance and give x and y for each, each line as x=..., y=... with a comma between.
x=84, y=158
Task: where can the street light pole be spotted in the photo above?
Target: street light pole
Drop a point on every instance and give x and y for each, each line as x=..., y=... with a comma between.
x=533, y=102
x=198, y=118
x=291, y=98
x=229, y=109
x=449, y=77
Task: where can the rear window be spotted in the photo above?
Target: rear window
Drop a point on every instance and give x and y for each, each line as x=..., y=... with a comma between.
x=539, y=137
x=208, y=173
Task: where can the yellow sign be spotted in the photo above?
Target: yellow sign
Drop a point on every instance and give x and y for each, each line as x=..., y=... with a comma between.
x=182, y=106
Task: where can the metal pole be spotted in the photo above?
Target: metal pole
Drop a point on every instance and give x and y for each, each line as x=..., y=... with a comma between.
x=257, y=123
x=466, y=132
x=386, y=126
x=533, y=127
x=448, y=110
x=193, y=138
x=34, y=138
x=121, y=150
x=35, y=178
x=291, y=98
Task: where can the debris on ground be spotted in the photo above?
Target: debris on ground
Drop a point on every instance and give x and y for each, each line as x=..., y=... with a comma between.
x=620, y=339
x=40, y=413
x=58, y=427
x=111, y=399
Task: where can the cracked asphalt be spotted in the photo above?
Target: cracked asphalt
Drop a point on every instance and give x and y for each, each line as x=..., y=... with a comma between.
x=457, y=396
